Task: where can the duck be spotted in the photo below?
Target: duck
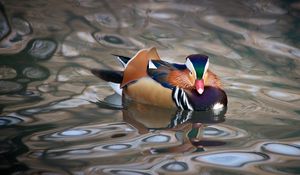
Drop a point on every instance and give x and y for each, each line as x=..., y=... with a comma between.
x=147, y=79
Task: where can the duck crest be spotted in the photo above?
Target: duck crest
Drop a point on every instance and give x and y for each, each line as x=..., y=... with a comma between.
x=136, y=67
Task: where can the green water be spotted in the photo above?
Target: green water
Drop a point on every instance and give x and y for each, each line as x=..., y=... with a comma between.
x=57, y=118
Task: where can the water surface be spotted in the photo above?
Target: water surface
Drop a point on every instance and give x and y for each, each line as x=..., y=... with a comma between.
x=57, y=118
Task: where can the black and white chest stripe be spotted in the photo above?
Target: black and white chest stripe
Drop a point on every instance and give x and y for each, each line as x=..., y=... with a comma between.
x=180, y=99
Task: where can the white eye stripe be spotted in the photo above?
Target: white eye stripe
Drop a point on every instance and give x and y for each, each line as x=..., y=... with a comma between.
x=190, y=66
x=206, y=67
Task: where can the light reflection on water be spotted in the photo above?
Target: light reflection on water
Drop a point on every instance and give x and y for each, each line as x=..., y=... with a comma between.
x=57, y=118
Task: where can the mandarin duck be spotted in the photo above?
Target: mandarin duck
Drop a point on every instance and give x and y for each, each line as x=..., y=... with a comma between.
x=147, y=79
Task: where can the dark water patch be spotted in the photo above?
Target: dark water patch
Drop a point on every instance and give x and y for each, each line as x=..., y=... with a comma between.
x=222, y=171
x=117, y=41
x=8, y=87
x=207, y=143
x=21, y=28
x=290, y=167
x=22, y=68
x=11, y=164
x=9, y=120
x=42, y=49
x=30, y=93
x=7, y=72
x=36, y=50
x=35, y=73
x=129, y=172
x=4, y=25
x=118, y=135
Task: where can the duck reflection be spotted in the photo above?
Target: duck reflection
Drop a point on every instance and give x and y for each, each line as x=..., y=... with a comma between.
x=189, y=126
x=155, y=118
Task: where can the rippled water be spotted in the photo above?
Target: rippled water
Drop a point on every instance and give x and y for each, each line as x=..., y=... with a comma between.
x=57, y=118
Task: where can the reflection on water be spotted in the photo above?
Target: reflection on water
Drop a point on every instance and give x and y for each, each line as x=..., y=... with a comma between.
x=57, y=118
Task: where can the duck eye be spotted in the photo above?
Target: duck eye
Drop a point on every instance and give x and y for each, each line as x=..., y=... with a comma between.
x=191, y=73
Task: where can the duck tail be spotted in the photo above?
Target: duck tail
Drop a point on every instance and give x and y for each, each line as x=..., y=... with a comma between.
x=114, y=78
x=108, y=75
x=122, y=59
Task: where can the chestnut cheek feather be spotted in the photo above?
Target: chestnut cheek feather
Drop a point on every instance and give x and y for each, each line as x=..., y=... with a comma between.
x=181, y=79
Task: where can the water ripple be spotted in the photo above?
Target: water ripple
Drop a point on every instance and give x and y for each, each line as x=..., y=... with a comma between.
x=7, y=72
x=127, y=144
x=3, y=24
x=124, y=172
x=117, y=41
x=253, y=39
x=72, y=133
x=9, y=120
x=79, y=43
x=103, y=19
x=13, y=119
x=7, y=87
x=282, y=149
x=231, y=159
x=282, y=95
x=42, y=49
x=35, y=72
x=175, y=166
x=21, y=26
x=157, y=139
x=116, y=147
x=72, y=74
x=100, y=131
x=224, y=132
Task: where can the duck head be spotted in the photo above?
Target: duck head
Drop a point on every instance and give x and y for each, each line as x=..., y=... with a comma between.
x=197, y=65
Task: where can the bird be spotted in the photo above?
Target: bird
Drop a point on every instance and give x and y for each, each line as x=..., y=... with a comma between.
x=147, y=79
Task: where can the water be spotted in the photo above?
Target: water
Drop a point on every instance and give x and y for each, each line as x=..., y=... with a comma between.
x=57, y=118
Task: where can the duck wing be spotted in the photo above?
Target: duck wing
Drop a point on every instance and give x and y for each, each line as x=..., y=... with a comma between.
x=162, y=70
